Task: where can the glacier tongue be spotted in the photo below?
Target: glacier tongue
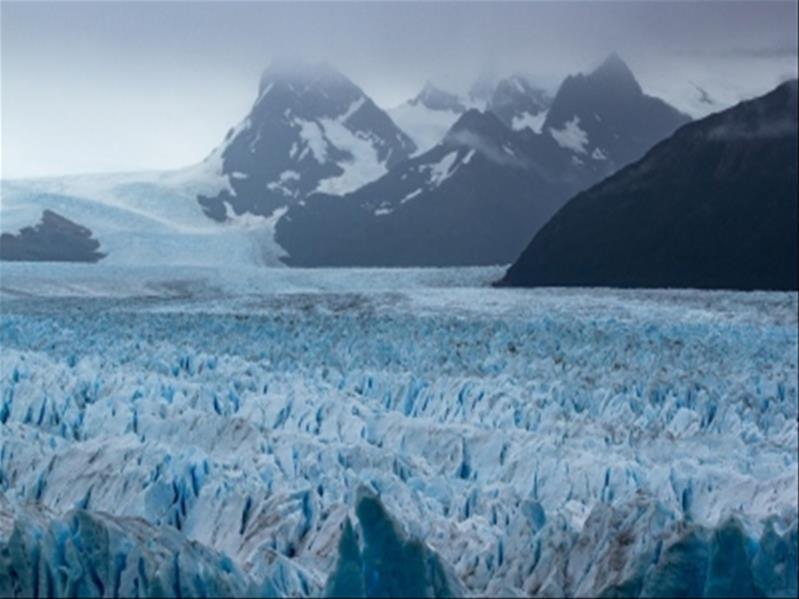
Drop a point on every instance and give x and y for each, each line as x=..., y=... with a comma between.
x=549, y=442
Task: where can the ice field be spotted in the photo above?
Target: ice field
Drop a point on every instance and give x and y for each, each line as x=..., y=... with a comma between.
x=222, y=431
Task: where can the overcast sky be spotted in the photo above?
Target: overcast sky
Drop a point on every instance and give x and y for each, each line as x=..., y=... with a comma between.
x=111, y=86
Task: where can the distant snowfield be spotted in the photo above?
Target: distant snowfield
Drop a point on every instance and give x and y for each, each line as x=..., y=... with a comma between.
x=550, y=441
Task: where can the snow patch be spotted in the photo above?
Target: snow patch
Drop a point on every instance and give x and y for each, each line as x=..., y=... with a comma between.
x=442, y=170
x=411, y=195
x=363, y=168
x=314, y=137
x=529, y=120
x=364, y=165
x=353, y=108
x=571, y=137
x=281, y=184
x=265, y=92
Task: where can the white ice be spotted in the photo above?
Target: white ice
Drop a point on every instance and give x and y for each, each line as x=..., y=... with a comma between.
x=550, y=441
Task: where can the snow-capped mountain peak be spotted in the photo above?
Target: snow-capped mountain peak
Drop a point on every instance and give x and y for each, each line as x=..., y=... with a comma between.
x=519, y=104
x=605, y=117
x=427, y=117
x=614, y=72
x=310, y=129
x=435, y=98
x=309, y=89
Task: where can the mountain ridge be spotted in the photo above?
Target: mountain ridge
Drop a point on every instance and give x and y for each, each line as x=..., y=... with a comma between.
x=713, y=206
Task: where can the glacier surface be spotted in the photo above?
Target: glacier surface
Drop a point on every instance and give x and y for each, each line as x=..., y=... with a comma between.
x=273, y=432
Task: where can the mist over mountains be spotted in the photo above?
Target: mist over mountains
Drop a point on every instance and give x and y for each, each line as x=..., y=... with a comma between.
x=313, y=135
x=317, y=174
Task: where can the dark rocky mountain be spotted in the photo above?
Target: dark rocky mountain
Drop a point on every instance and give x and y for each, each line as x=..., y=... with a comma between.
x=53, y=239
x=478, y=195
x=310, y=129
x=713, y=206
x=605, y=120
x=472, y=199
x=519, y=104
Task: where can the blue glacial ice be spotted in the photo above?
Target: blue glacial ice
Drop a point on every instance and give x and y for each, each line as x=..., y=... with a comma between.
x=288, y=432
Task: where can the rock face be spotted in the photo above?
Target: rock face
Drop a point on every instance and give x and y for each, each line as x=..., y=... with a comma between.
x=604, y=118
x=310, y=129
x=472, y=199
x=53, y=239
x=480, y=194
x=317, y=166
x=714, y=206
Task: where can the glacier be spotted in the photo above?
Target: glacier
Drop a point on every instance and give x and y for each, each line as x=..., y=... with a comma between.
x=288, y=432
x=149, y=218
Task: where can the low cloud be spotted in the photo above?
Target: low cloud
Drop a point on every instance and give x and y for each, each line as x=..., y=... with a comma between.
x=764, y=126
x=489, y=149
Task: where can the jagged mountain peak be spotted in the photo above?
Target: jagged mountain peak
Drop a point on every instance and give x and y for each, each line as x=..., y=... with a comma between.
x=302, y=72
x=314, y=88
x=486, y=124
x=612, y=78
x=614, y=71
x=614, y=62
x=606, y=117
x=712, y=206
x=436, y=98
x=310, y=129
x=518, y=103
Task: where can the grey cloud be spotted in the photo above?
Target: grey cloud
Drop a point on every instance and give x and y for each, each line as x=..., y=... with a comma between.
x=776, y=51
x=184, y=72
